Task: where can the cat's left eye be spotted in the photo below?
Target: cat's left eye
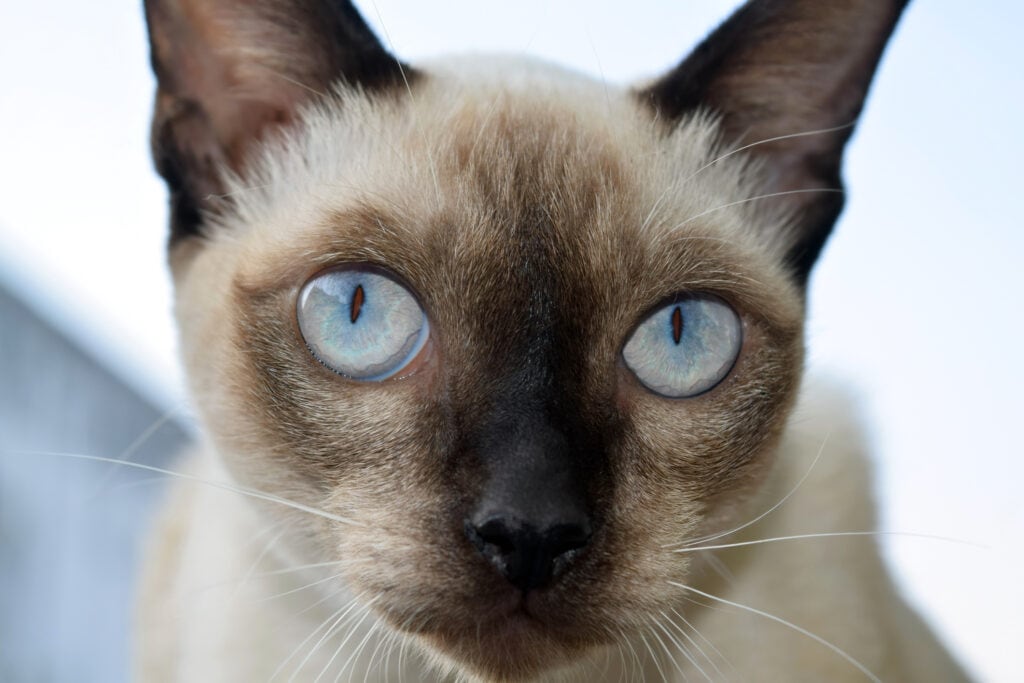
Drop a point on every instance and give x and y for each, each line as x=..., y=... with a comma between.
x=361, y=323
x=686, y=347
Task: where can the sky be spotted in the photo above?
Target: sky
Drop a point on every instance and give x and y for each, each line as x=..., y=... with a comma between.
x=916, y=305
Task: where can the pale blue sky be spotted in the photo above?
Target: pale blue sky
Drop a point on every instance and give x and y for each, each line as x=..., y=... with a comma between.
x=916, y=304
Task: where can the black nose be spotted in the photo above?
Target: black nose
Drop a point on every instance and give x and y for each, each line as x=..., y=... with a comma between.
x=528, y=556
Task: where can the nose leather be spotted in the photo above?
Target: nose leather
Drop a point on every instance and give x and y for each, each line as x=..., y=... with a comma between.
x=530, y=520
x=528, y=556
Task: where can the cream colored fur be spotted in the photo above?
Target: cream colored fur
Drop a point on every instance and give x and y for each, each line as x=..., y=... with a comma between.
x=219, y=602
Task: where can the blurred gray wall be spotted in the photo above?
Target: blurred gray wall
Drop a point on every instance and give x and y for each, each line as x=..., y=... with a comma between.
x=70, y=530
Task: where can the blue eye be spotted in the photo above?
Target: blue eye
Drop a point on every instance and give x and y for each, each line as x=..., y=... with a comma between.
x=361, y=323
x=685, y=348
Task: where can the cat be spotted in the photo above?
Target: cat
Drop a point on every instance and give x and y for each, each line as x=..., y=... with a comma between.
x=500, y=369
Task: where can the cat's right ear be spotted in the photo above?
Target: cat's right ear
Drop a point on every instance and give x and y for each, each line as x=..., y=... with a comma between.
x=230, y=71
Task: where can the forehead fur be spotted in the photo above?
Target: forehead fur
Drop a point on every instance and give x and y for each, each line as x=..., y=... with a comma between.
x=508, y=134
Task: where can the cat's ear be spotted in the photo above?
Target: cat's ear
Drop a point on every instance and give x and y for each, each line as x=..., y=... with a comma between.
x=788, y=77
x=229, y=71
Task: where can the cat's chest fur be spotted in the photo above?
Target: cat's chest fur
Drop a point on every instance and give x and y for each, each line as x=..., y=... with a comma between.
x=497, y=359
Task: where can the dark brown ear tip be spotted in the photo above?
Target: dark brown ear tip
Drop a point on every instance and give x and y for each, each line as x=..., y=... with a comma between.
x=787, y=79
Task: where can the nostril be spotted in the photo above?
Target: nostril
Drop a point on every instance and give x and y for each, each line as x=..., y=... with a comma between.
x=564, y=538
x=497, y=533
x=527, y=557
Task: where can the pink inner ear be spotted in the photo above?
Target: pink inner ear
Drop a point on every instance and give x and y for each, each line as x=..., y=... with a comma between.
x=207, y=65
x=230, y=72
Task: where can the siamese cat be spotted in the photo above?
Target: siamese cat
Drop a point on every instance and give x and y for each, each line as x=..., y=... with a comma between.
x=499, y=367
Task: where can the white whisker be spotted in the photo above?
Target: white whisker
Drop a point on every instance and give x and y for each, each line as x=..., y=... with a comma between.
x=818, y=639
x=682, y=649
x=408, y=89
x=769, y=195
x=623, y=638
x=773, y=508
x=707, y=642
x=298, y=568
x=718, y=567
x=300, y=84
x=351, y=661
x=381, y=643
x=765, y=141
x=829, y=534
x=339, y=615
x=259, y=558
x=654, y=657
x=132, y=448
x=233, y=488
x=330, y=632
x=301, y=588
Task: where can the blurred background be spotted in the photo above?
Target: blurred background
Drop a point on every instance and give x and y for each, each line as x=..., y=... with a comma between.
x=916, y=305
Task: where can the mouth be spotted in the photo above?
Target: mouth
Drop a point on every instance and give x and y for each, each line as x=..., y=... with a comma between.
x=517, y=639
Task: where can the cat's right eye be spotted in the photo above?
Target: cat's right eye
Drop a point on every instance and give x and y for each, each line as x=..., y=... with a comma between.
x=361, y=323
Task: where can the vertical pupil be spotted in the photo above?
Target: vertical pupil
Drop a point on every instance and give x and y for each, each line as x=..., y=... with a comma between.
x=358, y=297
x=677, y=325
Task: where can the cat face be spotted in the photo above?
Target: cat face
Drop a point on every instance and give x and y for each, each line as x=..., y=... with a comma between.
x=602, y=306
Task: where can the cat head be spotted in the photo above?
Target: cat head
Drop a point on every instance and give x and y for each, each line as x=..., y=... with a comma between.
x=516, y=332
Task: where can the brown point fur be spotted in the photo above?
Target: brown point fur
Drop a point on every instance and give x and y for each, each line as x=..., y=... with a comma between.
x=532, y=246
x=538, y=220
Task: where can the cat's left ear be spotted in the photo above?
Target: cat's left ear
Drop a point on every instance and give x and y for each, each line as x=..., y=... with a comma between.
x=230, y=71
x=789, y=78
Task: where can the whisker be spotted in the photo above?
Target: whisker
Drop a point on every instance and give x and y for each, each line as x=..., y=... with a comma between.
x=718, y=567
x=773, y=508
x=233, y=488
x=622, y=659
x=300, y=84
x=342, y=611
x=769, y=195
x=324, y=598
x=237, y=191
x=696, y=646
x=298, y=568
x=307, y=586
x=138, y=483
x=828, y=534
x=408, y=89
x=654, y=207
x=818, y=639
x=381, y=642
x=359, y=649
x=765, y=141
x=706, y=642
x=633, y=655
x=330, y=632
x=680, y=646
x=607, y=651
x=600, y=71
x=654, y=657
x=394, y=643
x=403, y=644
x=690, y=656
x=259, y=558
x=266, y=574
x=132, y=448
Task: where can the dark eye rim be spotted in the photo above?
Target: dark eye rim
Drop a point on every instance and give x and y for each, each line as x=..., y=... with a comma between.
x=382, y=271
x=668, y=301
